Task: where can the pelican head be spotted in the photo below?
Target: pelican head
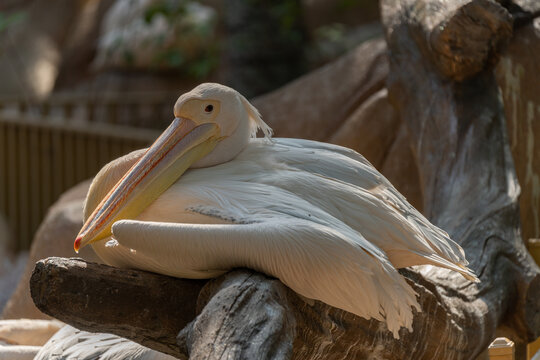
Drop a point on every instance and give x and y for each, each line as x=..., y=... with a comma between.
x=213, y=123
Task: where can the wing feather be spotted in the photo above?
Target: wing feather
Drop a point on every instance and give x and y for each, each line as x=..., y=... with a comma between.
x=316, y=261
x=70, y=343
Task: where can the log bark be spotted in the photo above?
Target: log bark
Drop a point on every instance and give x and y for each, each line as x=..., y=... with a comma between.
x=517, y=76
x=148, y=308
x=444, y=88
x=441, y=82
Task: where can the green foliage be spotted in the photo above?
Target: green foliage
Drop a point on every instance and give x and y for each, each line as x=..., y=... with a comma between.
x=170, y=9
x=333, y=32
x=185, y=54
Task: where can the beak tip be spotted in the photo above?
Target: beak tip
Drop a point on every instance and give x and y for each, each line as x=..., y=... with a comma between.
x=77, y=244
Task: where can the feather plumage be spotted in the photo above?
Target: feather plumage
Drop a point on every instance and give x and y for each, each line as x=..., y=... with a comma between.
x=70, y=343
x=317, y=216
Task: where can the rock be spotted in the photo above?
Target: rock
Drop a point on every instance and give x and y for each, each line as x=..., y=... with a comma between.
x=517, y=75
x=11, y=270
x=54, y=238
x=18, y=352
x=28, y=332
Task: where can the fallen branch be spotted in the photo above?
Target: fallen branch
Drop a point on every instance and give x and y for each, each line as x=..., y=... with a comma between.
x=148, y=308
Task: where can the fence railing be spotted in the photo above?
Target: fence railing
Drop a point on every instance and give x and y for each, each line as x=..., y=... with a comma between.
x=42, y=156
x=146, y=110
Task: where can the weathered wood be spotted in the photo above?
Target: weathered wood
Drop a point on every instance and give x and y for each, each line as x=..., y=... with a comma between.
x=443, y=87
x=148, y=308
x=517, y=75
x=251, y=307
x=470, y=188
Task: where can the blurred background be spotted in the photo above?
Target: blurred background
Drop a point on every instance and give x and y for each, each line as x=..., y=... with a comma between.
x=85, y=81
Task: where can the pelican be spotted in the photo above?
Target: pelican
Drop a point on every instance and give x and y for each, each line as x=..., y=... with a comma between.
x=209, y=196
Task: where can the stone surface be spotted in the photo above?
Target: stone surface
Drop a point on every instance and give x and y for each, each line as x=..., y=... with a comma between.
x=28, y=332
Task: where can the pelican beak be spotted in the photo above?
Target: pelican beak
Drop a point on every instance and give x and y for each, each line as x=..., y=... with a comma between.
x=181, y=144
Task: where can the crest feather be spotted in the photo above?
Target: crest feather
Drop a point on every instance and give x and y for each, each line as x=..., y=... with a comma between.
x=256, y=121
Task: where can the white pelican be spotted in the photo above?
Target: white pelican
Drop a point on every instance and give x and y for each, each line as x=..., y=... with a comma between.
x=207, y=197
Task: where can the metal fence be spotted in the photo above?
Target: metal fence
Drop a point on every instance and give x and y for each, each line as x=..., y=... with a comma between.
x=48, y=147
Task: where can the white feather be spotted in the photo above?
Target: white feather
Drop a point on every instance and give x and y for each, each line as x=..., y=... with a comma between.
x=317, y=216
x=72, y=344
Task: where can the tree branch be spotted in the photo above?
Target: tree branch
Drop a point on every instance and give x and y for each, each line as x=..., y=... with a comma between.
x=148, y=308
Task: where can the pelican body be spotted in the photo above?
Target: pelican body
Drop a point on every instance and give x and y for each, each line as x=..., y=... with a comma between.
x=208, y=196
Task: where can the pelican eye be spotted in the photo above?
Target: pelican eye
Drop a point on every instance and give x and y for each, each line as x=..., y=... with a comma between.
x=209, y=108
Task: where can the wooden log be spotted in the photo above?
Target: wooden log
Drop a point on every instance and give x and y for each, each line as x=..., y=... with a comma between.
x=517, y=76
x=251, y=306
x=148, y=308
x=459, y=138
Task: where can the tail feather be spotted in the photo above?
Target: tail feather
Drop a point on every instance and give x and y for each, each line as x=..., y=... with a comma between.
x=403, y=258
